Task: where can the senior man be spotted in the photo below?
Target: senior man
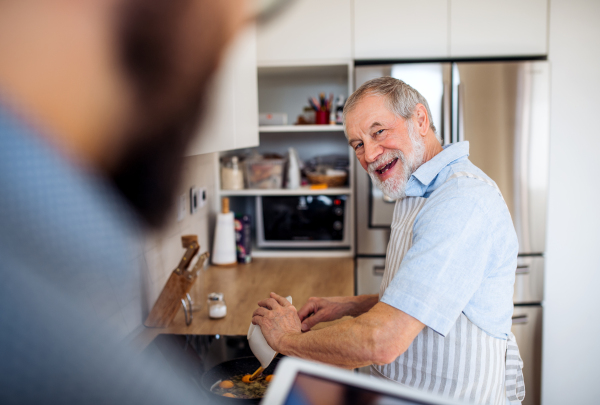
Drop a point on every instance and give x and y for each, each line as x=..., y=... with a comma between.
x=442, y=319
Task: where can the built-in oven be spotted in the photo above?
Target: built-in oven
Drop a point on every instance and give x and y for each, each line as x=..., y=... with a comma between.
x=302, y=221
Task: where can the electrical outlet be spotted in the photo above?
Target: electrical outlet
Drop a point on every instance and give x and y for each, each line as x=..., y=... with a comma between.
x=202, y=197
x=181, y=207
x=194, y=200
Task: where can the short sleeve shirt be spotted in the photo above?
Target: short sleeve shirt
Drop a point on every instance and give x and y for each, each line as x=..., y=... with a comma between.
x=464, y=249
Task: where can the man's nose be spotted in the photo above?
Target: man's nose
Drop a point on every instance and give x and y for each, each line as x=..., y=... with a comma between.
x=372, y=151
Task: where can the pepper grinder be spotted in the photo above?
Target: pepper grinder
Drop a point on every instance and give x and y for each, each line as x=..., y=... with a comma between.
x=224, y=242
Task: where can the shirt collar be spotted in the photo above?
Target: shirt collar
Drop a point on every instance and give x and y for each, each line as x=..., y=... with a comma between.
x=422, y=177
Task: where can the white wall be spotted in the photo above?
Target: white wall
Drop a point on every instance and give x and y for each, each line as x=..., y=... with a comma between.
x=571, y=351
x=124, y=302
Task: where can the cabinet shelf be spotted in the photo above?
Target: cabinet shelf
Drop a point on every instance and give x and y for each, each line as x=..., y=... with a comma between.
x=301, y=128
x=284, y=191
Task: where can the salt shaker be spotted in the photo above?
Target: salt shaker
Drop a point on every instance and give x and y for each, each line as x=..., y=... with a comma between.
x=216, y=305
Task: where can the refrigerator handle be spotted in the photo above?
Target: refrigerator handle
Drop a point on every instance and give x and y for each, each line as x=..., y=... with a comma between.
x=520, y=319
x=378, y=270
x=446, y=114
x=522, y=270
x=461, y=112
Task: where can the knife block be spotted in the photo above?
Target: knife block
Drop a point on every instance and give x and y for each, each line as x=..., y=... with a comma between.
x=179, y=284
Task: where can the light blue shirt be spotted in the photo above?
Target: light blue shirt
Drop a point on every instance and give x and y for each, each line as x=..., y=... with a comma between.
x=464, y=252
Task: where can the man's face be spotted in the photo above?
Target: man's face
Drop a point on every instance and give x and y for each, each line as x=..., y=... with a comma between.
x=387, y=147
x=168, y=51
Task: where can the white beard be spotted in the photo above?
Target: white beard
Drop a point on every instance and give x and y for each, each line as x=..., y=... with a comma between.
x=395, y=186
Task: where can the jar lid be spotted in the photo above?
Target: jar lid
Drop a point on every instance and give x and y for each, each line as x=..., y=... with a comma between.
x=215, y=296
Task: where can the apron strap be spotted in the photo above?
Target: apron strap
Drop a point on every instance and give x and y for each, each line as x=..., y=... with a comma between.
x=515, y=384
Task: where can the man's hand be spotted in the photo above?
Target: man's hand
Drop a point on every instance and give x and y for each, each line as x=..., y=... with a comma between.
x=323, y=310
x=277, y=319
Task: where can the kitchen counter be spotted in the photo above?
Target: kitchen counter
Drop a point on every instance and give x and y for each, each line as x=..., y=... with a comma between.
x=244, y=285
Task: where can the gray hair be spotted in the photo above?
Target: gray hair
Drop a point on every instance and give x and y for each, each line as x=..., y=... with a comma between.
x=400, y=97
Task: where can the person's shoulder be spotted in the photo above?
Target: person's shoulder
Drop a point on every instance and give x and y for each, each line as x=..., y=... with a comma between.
x=467, y=185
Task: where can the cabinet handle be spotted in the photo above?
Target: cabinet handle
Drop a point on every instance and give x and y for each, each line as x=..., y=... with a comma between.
x=520, y=319
x=378, y=270
x=522, y=270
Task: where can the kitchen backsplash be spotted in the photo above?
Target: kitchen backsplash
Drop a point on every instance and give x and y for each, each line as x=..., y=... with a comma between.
x=162, y=250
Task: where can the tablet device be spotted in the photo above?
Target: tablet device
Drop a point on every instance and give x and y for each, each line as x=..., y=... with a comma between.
x=302, y=382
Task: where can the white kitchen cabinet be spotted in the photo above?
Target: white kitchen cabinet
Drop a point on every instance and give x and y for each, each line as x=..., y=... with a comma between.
x=400, y=29
x=498, y=28
x=307, y=31
x=231, y=118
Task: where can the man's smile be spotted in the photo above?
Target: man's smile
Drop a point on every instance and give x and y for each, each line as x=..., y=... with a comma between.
x=384, y=168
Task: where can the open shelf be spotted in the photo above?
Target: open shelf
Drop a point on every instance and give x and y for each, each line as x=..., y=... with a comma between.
x=301, y=128
x=285, y=191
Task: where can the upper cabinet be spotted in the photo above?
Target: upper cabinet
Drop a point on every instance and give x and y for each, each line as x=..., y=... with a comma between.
x=400, y=29
x=231, y=117
x=403, y=29
x=498, y=28
x=308, y=31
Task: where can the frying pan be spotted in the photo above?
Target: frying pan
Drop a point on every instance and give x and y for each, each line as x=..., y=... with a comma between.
x=229, y=369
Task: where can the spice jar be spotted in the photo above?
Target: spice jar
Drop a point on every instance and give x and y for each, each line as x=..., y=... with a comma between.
x=232, y=176
x=216, y=306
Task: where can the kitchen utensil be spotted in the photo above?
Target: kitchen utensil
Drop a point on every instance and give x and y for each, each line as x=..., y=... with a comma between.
x=178, y=285
x=224, y=242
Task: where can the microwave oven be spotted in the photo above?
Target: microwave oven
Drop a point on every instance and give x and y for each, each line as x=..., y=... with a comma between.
x=302, y=221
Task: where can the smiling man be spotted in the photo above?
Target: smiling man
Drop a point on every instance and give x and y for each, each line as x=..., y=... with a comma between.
x=442, y=319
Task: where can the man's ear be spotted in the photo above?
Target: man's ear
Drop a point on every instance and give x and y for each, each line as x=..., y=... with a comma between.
x=422, y=119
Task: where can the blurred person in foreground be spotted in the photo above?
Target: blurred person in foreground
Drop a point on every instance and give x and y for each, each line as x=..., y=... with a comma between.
x=98, y=100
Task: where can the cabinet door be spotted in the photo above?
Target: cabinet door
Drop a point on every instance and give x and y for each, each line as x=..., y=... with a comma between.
x=498, y=28
x=308, y=30
x=245, y=90
x=400, y=29
x=231, y=116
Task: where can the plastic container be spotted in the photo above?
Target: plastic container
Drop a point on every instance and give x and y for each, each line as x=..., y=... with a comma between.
x=264, y=173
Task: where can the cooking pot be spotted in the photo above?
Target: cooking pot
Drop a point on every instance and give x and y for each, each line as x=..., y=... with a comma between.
x=229, y=369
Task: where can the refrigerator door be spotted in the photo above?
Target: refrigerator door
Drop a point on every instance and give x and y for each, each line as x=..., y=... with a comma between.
x=529, y=280
x=502, y=109
x=369, y=273
x=527, y=327
x=374, y=209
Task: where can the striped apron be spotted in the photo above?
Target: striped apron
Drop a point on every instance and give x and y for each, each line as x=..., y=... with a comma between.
x=467, y=364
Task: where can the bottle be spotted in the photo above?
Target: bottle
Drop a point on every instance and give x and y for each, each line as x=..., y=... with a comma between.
x=293, y=173
x=339, y=110
x=224, y=243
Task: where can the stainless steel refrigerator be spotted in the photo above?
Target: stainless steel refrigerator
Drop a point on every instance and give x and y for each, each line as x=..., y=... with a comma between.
x=502, y=109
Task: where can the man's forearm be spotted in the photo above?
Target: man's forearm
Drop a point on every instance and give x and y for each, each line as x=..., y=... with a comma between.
x=345, y=344
x=376, y=337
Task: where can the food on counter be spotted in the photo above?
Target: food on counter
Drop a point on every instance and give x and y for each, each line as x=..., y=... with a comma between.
x=246, y=378
x=229, y=395
x=269, y=378
x=226, y=384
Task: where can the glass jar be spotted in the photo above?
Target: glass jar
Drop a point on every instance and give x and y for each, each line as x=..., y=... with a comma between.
x=216, y=306
x=232, y=176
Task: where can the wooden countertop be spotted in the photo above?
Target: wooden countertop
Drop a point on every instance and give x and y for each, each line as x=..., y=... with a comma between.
x=246, y=284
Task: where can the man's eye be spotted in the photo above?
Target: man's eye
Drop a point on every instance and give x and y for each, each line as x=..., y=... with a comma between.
x=379, y=132
x=358, y=145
